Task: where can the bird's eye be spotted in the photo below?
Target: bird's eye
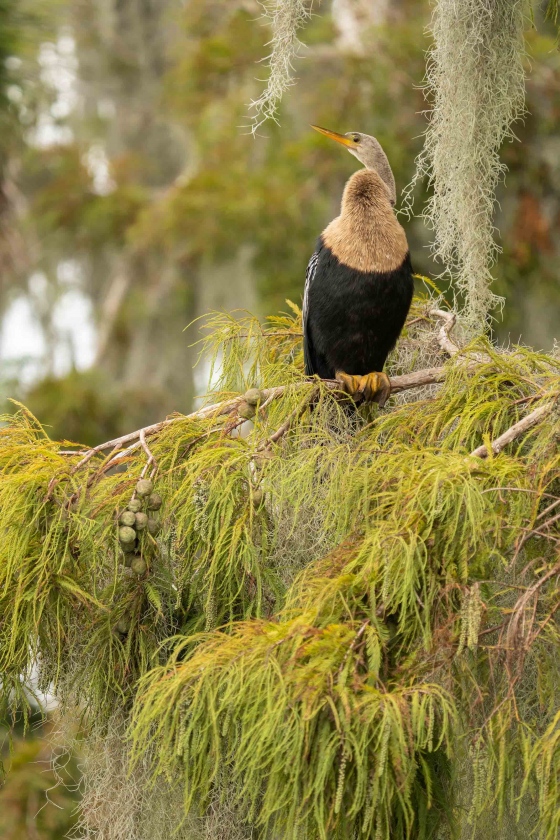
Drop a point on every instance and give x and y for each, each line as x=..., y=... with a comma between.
x=356, y=138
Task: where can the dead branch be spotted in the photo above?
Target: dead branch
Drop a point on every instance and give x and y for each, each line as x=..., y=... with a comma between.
x=514, y=431
x=449, y=320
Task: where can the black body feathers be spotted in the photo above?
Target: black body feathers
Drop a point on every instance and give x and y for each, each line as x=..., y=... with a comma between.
x=352, y=319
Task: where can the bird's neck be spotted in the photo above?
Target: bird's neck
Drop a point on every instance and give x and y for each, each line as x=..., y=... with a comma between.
x=367, y=236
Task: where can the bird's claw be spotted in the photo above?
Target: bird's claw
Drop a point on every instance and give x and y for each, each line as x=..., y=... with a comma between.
x=373, y=387
x=350, y=384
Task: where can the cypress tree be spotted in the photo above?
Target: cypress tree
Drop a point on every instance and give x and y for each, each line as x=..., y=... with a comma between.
x=342, y=622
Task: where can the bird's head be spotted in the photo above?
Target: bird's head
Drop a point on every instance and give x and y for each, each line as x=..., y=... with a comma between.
x=369, y=152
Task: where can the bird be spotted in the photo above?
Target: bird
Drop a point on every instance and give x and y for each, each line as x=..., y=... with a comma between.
x=359, y=280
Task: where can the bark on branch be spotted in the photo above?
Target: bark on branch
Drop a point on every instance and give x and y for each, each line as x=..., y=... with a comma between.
x=122, y=447
x=136, y=439
x=449, y=320
x=514, y=431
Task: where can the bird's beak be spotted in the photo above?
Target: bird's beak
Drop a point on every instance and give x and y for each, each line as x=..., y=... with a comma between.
x=334, y=135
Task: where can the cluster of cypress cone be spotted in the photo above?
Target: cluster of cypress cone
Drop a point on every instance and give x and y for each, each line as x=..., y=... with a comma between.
x=137, y=518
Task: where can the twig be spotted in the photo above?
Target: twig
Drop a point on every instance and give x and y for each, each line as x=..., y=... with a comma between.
x=417, y=320
x=288, y=422
x=544, y=623
x=449, y=320
x=120, y=456
x=514, y=630
x=514, y=431
x=549, y=522
x=146, y=448
x=549, y=508
x=537, y=532
x=355, y=640
x=522, y=490
x=448, y=345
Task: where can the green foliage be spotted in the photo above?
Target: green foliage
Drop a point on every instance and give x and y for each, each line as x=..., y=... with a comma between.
x=339, y=607
x=311, y=741
x=64, y=201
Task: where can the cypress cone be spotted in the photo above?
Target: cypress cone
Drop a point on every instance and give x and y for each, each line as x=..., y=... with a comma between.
x=127, y=535
x=154, y=501
x=138, y=565
x=141, y=521
x=144, y=487
x=127, y=518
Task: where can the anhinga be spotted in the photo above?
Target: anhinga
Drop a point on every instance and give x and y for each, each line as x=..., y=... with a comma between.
x=358, y=285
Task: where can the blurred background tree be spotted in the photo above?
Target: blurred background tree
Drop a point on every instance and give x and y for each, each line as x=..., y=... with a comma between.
x=39, y=796
x=135, y=198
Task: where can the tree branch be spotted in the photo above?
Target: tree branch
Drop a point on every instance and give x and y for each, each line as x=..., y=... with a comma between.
x=146, y=448
x=428, y=376
x=514, y=431
x=449, y=320
x=286, y=425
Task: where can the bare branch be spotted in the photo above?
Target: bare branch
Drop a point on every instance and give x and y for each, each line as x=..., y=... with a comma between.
x=145, y=447
x=428, y=376
x=449, y=320
x=514, y=431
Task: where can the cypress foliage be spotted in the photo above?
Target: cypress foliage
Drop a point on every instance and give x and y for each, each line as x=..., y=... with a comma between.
x=341, y=623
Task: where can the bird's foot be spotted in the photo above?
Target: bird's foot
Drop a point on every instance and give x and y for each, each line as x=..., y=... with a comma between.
x=376, y=387
x=373, y=387
x=350, y=384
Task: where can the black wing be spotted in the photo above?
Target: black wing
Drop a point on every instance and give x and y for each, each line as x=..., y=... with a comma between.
x=308, y=352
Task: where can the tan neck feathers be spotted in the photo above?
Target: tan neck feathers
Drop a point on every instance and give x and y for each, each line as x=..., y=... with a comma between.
x=366, y=236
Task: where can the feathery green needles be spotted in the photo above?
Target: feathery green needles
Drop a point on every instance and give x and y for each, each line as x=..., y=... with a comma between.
x=347, y=624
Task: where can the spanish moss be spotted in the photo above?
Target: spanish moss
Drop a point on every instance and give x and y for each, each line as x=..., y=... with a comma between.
x=287, y=17
x=475, y=83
